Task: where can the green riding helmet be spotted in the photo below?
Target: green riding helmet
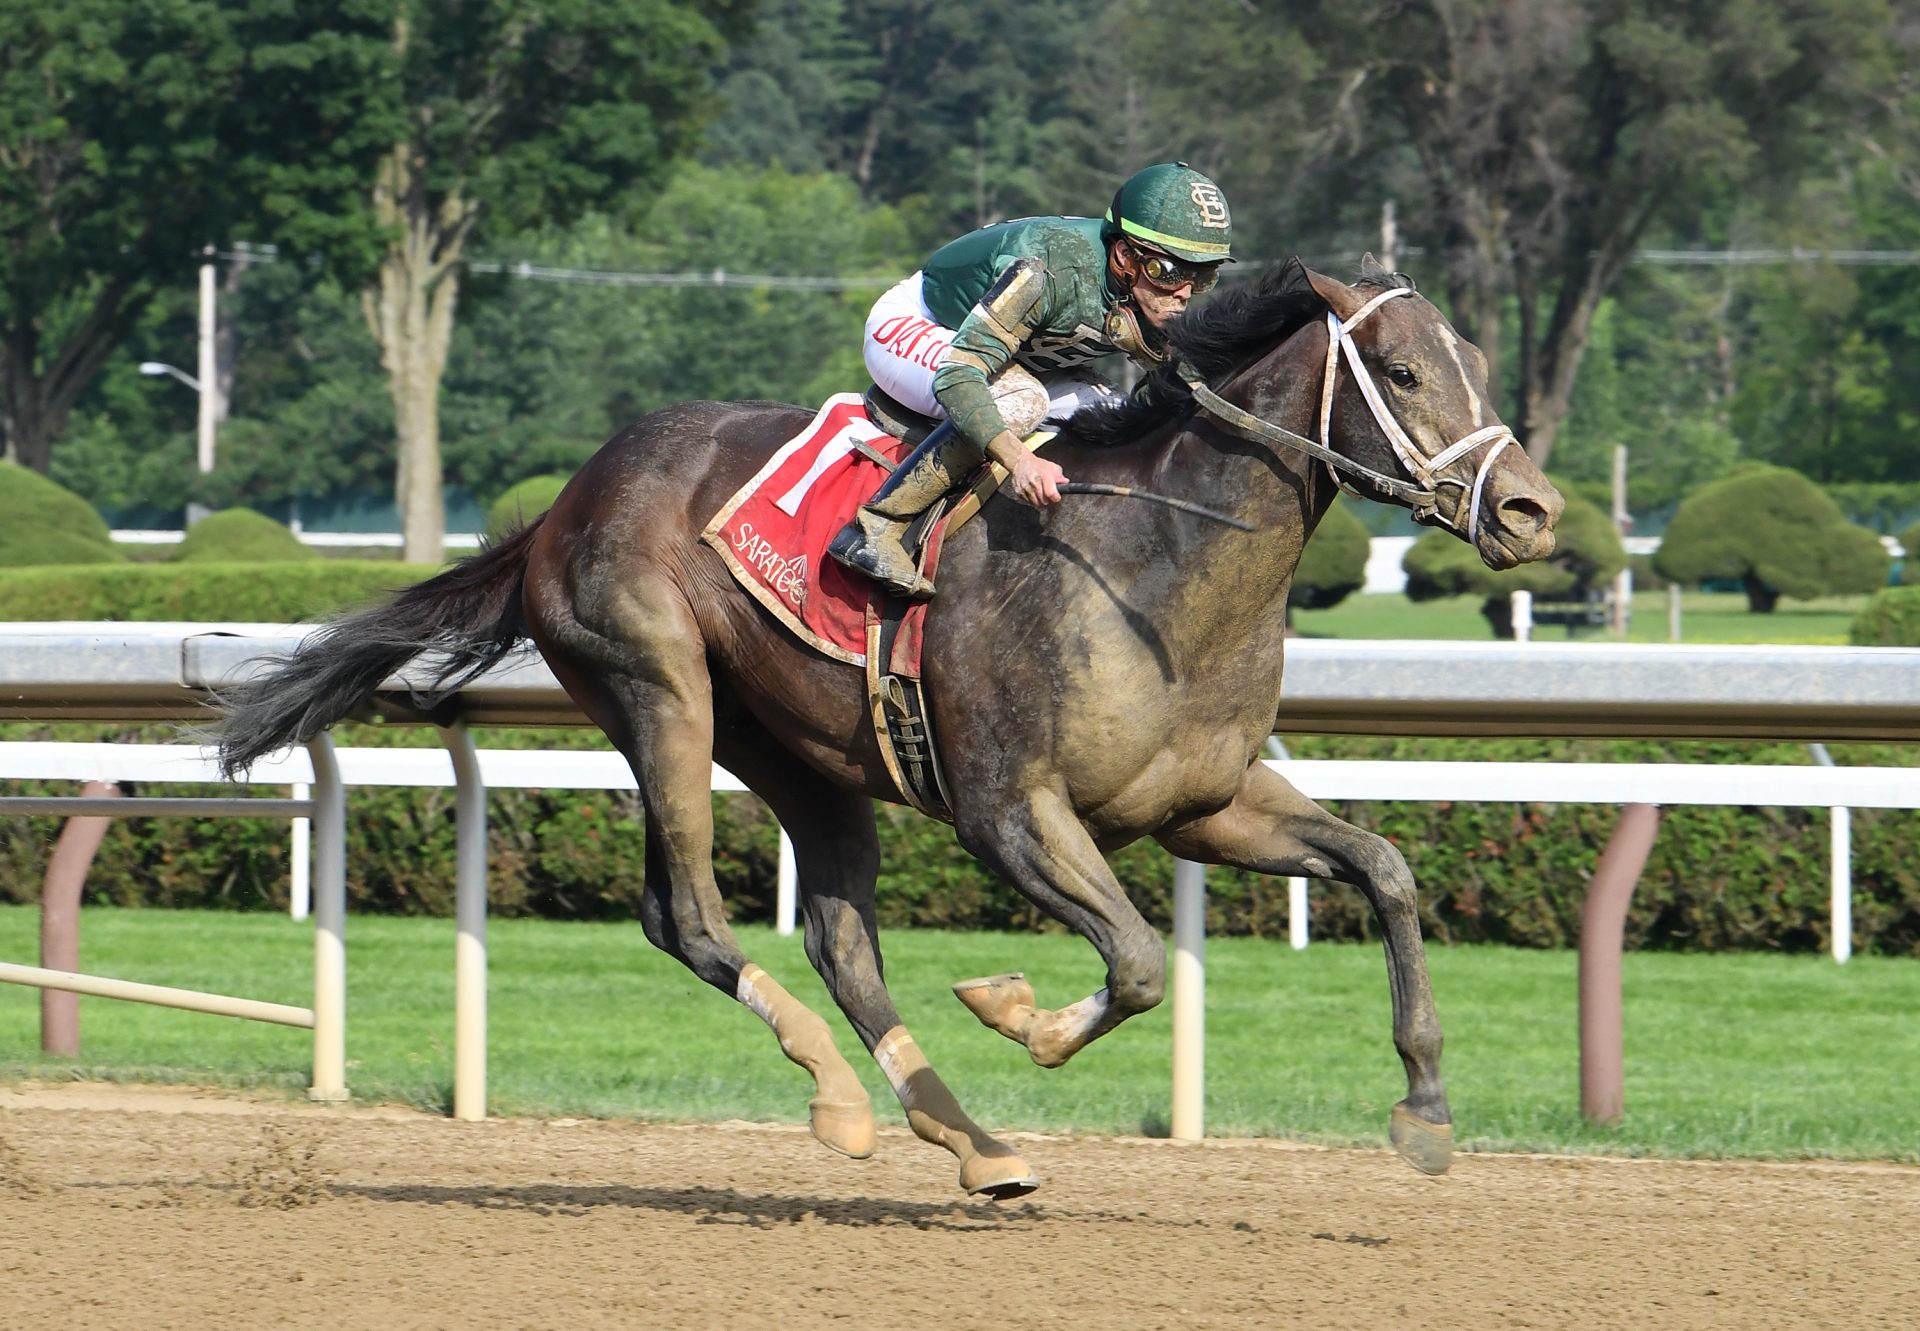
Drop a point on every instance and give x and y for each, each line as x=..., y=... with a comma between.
x=1175, y=208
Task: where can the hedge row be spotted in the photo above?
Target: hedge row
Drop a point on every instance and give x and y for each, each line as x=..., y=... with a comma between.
x=1718, y=878
x=210, y=593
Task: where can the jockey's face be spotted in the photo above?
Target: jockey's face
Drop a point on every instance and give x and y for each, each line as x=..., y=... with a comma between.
x=1161, y=285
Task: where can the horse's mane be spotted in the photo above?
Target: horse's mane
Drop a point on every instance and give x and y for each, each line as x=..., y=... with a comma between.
x=1218, y=337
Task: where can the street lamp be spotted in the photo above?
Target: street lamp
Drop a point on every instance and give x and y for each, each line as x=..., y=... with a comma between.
x=204, y=386
x=157, y=367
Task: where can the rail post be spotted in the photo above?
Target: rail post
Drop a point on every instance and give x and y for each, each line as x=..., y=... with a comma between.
x=470, y=941
x=1603, y=922
x=60, y=895
x=329, y=924
x=786, y=887
x=1189, y=1001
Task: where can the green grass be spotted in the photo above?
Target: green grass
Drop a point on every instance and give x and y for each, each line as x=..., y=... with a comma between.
x=1752, y=1056
x=1704, y=617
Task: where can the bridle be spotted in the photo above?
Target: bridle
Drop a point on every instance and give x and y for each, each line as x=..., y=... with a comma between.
x=1422, y=494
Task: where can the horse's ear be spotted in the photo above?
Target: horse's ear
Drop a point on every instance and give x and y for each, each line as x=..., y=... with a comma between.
x=1342, y=299
x=1289, y=278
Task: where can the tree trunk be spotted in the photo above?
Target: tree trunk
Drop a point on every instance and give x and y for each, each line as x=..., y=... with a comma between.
x=23, y=407
x=1552, y=369
x=1498, y=612
x=36, y=398
x=1761, y=599
x=410, y=310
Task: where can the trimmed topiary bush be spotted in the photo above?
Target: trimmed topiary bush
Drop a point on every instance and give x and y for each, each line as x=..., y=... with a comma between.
x=1775, y=532
x=1334, y=564
x=1587, y=553
x=523, y=503
x=240, y=536
x=42, y=522
x=1890, y=619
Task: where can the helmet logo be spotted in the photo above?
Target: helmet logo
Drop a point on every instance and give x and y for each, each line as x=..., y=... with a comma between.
x=1212, y=204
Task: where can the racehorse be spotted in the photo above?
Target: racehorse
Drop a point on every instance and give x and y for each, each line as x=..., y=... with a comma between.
x=1098, y=671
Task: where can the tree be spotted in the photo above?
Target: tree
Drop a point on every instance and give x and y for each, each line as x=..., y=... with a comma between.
x=1587, y=552
x=1550, y=137
x=519, y=114
x=962, y=115
x=135, y=134
x=1655, y=378
x=1777, y=533
x=1334, y=564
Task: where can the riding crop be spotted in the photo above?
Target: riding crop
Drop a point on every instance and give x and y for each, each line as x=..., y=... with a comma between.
x=1129, y=492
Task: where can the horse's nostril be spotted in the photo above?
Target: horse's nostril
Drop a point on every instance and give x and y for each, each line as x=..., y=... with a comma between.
x=1521, y=511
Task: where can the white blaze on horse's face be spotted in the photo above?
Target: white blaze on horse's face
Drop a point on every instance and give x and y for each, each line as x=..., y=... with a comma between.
x=1427, y=390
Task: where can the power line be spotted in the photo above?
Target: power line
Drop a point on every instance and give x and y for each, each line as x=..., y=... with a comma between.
x=720, y=277
x=1798, y=254
x=717, y=277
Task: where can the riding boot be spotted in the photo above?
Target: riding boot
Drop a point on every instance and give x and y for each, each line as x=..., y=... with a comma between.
x=873, y=543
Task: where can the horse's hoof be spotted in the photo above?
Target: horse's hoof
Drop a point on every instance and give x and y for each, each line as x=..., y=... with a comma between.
x=1003, y=1003
x=1428, y=1147
x=999, y=1178
x=846, y=1127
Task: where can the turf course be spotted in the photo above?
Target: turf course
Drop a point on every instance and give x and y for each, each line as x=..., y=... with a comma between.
x=1751, y=1055
x=1704, y=617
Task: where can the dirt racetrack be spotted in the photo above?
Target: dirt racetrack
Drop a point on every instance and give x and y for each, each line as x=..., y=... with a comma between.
x=154, y=1209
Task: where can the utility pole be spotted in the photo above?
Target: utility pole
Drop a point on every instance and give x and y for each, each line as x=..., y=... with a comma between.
x=209, y=376
x=1623, y=523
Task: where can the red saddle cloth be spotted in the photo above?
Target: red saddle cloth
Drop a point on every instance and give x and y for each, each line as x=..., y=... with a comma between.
x=775, y=530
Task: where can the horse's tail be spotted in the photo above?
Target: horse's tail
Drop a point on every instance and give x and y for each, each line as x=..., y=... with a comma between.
x=468, y=618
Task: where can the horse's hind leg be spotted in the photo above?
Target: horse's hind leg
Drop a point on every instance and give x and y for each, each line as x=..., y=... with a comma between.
x=837, y=856
x=1270, y=827
x=1041, y=847
x=656, y=705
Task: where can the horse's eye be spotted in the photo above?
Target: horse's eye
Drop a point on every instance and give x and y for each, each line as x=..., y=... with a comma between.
x=1402, y=376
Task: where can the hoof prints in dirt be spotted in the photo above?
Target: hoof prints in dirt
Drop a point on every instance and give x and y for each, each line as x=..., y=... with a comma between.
x=16, y=1180
x=283, y=1176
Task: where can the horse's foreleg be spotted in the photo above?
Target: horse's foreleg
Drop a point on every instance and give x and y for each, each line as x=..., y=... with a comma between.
x=1270, y=827
x=837, y=856
x=1043, y=850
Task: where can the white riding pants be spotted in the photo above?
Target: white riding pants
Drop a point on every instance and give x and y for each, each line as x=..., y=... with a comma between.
x=905, y=346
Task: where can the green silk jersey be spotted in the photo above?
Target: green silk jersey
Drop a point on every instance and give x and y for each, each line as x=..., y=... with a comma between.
x=1066, y=328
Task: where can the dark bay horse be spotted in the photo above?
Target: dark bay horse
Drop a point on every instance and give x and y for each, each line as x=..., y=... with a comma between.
x=1097, y=672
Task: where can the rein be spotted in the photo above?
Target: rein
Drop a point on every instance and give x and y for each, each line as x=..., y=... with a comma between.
x=1421, y=495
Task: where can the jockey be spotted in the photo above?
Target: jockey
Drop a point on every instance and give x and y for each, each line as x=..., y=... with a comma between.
x=987, y=336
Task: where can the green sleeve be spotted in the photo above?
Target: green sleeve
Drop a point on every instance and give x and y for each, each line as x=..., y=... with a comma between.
x=987, y=339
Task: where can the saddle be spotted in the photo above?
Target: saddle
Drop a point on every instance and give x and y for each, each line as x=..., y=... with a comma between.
x=772, y=535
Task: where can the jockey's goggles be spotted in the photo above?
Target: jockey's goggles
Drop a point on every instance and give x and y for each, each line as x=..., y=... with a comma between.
x=1170, y=274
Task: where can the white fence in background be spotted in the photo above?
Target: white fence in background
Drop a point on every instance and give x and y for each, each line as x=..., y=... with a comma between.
x=1838, y=788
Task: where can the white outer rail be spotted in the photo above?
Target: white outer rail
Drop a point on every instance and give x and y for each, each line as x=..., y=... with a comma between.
x=472, y=770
